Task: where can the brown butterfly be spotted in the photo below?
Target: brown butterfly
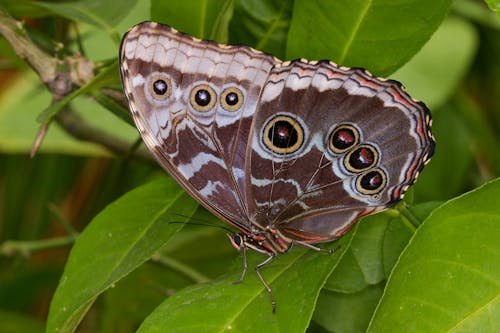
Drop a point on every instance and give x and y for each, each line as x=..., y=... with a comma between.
x=288, y=152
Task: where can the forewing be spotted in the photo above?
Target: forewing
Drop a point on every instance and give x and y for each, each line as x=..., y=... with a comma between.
x=177, y=88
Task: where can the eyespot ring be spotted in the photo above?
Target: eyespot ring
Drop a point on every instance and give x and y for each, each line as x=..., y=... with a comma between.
x=343, y=138
x=371, y=182
x=283, y=135
x=361, y=158
x=231, y=99
x=202, y=98
x=160, y=87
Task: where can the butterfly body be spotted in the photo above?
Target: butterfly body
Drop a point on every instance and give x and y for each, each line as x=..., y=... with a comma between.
x=286, y=152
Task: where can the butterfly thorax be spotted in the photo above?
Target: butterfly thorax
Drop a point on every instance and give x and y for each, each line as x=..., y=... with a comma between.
x=268, y=241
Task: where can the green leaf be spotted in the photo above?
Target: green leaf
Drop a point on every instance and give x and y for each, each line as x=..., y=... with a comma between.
x=24, y=97
x=362, y=264
x=104, y=14
x=494, y=5
x=106, y=76
x=435, y=73
x=123, y=236
x=377, y=245
x=339, y=312
x=12, y=322
x=208, y=19
x=295, y=278
x=262, y=24
x=439, y=181
x=447, y=279
x=379, y=35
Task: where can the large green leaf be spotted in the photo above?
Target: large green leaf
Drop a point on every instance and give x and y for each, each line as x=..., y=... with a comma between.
x=435, y=73
x=123, y=236
x=447, y=280
x=346, y=313
x=439, y=181
x=103, y=14
x=380, y=35
x=262, y=24
x=295, y=278
x=208, y=19
x=494, y=5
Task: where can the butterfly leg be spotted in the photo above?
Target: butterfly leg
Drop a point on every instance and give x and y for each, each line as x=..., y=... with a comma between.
x=264, y=283
x=245, y=265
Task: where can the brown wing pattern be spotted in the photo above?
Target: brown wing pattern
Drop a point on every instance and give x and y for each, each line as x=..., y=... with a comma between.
x=306, y=148
x=193, y=103
x=329, y=145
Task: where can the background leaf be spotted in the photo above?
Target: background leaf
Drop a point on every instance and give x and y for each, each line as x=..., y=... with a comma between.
x=440, y=66
x=347, y=31
x=456, y=73
x=445, y=280
x=120, y=238
x=208, y=18
x=494, y=5
x=295, y=279
x=262, y=24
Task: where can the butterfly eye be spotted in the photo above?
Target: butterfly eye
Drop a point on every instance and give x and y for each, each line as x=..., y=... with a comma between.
x=371, y=182
x=343, y=138
x=160, y=87
x=231, y=99
x=283, y=135
x=203, y=98
x=362, y=158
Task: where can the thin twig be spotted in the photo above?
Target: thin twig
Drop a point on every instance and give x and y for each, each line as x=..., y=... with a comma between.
x=62, y=77
x=25, y=248
x=43, y=64
x=175, y=265
x=77, y=127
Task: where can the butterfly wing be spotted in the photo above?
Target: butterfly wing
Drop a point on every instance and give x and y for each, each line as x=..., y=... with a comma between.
x=330, y=145
x=193, y=103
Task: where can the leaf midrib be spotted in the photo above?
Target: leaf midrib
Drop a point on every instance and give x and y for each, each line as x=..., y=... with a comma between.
x=354, y=31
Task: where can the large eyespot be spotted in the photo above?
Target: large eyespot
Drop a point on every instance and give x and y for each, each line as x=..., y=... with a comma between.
x=362, y=158
x=160, y=87
x=283, y=135
x=371, y=182
x=343, y=138
x=231, y=99
x=203, y=98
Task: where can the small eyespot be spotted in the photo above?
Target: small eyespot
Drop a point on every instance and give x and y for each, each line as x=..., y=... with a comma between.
x=231, y=99
x=371, y=182
x=160, y=87
x=362, y=158
x=343, y=138
x=202, y=98
x=283, y=135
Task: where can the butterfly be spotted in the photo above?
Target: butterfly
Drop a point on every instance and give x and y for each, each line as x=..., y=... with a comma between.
x=290, y=152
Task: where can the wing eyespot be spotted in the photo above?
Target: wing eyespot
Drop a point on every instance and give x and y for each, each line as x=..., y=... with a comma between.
x=160, y=87
x=343, y=138
x=361, y=158
x=283, y=135
x=371, y=182
x=203, y=98
x=231, y=99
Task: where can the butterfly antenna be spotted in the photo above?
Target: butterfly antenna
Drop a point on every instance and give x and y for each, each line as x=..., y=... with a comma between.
x=200, y=222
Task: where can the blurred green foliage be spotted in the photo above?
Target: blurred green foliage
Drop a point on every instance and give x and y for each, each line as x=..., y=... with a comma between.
x=446, y=55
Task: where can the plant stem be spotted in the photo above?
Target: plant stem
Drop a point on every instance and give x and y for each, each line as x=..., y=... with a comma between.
x=25, y=248
x=181, y=268
x=408, y=218
x=43, y=64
